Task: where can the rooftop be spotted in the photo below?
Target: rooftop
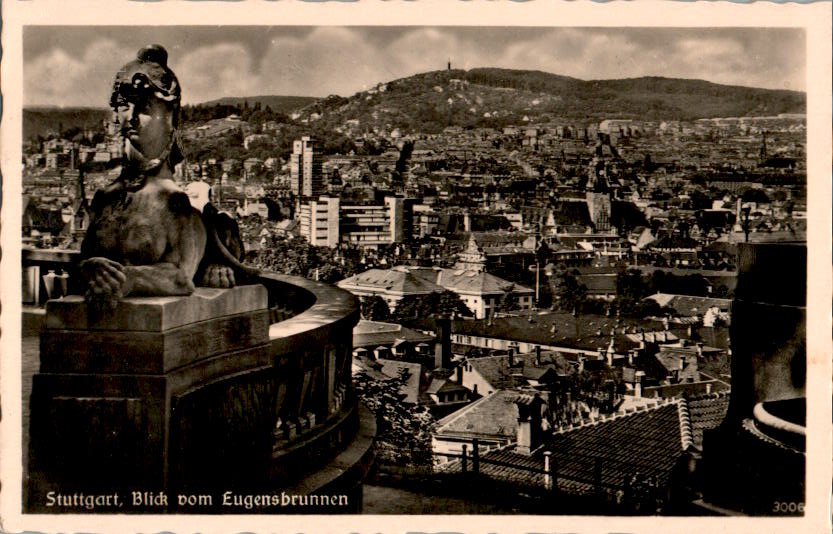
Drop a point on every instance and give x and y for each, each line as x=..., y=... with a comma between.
x=371, y=334
x=498, y=370
x=586, y=331
x=687, y=305
x=492, y=416
x=706, y=412
x=648, y=440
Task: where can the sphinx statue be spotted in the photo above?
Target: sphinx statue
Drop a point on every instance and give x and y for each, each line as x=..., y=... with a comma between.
x=145, y=238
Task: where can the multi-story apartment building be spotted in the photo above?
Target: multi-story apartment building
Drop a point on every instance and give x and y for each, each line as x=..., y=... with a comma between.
x=305, y=175
x=319, y=221
x=328, y=222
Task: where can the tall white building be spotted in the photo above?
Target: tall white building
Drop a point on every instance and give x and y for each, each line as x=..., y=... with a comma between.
x=306, y=177
x=319, y=221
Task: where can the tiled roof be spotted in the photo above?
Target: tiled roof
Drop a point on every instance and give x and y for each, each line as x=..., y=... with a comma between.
x=421, y=280
x=411, y=387
x=506, y=471
x=371, y=334
x=497, y=370
x=495, y=415
x=477, y=283
x=399, y=281
x=674, y=242
x=599, y=284
x=499, y=238
x=707, y=412
x=672, y=360
x=687, y=305
x=441, y=385
x=648, y=441
x=587, y=332
x=667, y=391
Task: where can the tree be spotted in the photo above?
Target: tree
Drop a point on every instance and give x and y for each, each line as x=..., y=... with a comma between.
x=433, y=304
x=375, y=309
x=507, y=303
x=567, y=290
x=631, y=291
x=403, y=430
x=327, y=273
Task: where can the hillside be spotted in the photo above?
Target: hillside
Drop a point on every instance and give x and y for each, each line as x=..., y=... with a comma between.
x=44, y=121
x=486, y=97
x=278, y=104
x=431, y=101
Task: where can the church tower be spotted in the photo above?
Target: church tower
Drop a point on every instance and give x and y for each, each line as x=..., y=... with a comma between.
x=763, y=153
x=472, y=258
x=598, y=185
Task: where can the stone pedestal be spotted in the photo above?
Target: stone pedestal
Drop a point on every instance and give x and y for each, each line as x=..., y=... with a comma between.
x=132, y=399
x=754, y=462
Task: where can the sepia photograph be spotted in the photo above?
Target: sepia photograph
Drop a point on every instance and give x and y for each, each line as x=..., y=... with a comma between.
x=413, y=269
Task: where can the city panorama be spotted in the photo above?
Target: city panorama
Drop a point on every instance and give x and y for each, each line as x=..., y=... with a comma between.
x=422, y=270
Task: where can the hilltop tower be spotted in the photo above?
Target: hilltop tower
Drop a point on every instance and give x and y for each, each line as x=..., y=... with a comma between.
x=449, y=63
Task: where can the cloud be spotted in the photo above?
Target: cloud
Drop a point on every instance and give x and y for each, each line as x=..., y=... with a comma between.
x=59, y=78
x=211, y=72
x=343, y=60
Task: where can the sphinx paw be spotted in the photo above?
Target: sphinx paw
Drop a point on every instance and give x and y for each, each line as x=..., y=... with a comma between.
x=105, y=278
x=218, y=276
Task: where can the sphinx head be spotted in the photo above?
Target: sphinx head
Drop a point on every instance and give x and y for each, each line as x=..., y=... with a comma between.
x=146, y=101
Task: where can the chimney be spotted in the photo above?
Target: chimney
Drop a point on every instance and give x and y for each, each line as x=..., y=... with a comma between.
x=708, y=388
x=637, y=387
x=442, y=350
x=529, y=424
x=538, y=355
x=511, y=356
x=581, y=360
x=682, y=362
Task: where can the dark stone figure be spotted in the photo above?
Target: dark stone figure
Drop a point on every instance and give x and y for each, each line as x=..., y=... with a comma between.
x=145, y=238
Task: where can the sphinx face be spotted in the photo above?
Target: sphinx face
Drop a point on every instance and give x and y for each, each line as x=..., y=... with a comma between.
x=146, y=127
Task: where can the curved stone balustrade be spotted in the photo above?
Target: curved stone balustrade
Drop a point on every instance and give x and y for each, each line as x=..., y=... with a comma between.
x=312, y=412
x=243, y=389
x=783, y=421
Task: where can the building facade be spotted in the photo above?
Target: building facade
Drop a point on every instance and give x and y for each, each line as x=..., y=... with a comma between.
x=306, y=177
x=327, y=222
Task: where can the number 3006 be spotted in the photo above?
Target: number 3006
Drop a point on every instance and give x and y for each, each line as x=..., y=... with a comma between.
x=788, y=507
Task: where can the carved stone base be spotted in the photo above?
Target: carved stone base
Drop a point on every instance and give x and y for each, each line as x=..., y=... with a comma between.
x=119, y=396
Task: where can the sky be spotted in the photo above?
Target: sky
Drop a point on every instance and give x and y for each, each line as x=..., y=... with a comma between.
x=75, y=65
